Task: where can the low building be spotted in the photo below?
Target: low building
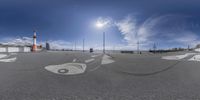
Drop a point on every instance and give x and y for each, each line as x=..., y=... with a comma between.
x=14, y=48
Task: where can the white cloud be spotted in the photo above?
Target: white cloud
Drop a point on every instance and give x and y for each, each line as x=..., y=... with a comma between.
x=104, y=22
x=60, y=44
x=22, y=41
x=17, y=41
x=164, y=29
x=188, y=38
x=128, y=29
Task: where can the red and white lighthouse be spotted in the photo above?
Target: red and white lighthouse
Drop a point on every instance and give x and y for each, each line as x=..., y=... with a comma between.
x=34, y=48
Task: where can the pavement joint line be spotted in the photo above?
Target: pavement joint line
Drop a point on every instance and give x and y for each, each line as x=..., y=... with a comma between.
x=94, y=68
x=151, y=73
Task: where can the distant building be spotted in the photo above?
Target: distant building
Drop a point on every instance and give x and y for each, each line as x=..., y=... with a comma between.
x=47, y=46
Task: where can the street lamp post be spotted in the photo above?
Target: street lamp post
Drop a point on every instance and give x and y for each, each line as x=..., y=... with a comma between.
x=101, y=25
x=138, y=47
x=104, y=44
x=83, y=45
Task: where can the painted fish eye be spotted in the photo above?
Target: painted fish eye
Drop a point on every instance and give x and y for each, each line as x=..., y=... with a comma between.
x=63, y=70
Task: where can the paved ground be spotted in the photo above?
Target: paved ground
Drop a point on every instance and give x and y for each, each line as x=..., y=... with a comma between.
x=130, y=77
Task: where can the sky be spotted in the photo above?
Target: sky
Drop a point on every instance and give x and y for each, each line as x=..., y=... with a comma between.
x=64, y=23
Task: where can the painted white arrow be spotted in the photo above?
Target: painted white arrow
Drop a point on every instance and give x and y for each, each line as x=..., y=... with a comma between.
x=107, y=60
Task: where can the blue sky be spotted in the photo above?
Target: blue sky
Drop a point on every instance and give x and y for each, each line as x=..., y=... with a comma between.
x=168, y=24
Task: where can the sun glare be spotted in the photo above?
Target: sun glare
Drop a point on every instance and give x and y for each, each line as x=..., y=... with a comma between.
x=99, y=24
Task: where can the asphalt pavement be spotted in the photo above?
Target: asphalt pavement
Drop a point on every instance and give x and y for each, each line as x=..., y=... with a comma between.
x=128, y=77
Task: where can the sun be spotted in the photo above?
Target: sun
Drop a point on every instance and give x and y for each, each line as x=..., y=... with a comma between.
x=99, y=24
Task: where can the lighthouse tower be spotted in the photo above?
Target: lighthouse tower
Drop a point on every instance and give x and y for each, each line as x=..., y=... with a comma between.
x=34, y=42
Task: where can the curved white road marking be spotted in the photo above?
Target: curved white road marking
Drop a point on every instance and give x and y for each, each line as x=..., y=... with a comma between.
x=177, y=57
x=195, y=58
x=8, y=60
x=3, y=55
x=67, y=68
x=89, y=60
x=107, y=60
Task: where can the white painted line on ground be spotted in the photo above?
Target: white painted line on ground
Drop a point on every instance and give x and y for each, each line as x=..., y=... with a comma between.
x=89, y=60
x=13, y=53
x=3, y=55
x=93, y=56
x=74, y=60
x=177, y=57
x=107, y=60
x=195, y=58
x=67, y=68
x=8, y=60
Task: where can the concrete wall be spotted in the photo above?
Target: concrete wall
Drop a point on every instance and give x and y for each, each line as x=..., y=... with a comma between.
x=3, y=49
x=27, y=49
x=15, y=49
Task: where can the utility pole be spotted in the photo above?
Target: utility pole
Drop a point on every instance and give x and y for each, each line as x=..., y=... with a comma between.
x=72, y=46
x=83, y=45
x=104, y=42
x=154, y=47
x=138, y=48
x=75, y=45
x=188, y=47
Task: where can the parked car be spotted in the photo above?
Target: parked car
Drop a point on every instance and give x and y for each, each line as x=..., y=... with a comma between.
x=91, y=50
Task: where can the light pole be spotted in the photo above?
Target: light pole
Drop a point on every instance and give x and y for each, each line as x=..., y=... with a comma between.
x=138, y=47
x=154, y=47
x=104, y=42
x=75, y=45
x=83, y=45
x=101, y=25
